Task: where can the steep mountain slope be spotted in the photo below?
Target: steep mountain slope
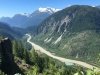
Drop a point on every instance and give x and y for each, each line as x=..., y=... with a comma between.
x=7, y=31
x=73, y=32
x=72, y=18
x=25, y=20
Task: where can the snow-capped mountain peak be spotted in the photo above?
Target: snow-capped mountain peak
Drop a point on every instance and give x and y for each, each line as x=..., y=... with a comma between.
x=48, y=9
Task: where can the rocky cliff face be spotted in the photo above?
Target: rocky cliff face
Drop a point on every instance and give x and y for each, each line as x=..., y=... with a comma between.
x=7, y=64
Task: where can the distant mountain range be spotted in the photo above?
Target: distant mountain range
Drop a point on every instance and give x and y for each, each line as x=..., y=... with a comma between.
x=33, y=19
x=7, y=31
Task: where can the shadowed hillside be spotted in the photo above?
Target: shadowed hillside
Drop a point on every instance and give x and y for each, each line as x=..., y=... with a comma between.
x=7, y=64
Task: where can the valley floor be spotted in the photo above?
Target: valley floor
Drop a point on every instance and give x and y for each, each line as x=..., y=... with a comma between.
x=66, y=61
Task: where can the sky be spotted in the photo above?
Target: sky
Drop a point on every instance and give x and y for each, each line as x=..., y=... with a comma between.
x=8, y=8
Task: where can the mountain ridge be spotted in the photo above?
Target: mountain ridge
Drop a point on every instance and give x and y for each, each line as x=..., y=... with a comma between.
x=71, y=11
x=27, y=20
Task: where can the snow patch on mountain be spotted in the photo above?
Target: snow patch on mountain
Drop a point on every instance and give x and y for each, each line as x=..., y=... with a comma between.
x=48, y=9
